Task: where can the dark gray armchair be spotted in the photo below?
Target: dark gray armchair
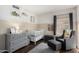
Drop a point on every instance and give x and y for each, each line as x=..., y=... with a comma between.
x=67, y=43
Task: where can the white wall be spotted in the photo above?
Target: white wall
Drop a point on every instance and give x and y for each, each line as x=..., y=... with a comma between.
x=48, y=17
x=7, y=20
x=77, y=26
x=5, y=13
x=45, y=19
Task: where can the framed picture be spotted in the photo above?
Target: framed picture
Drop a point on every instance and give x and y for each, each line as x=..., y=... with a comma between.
x=32, y=19
x=14, y=13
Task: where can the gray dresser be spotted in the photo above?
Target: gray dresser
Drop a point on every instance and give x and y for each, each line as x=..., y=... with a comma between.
x=2, y=41
x=16, y=41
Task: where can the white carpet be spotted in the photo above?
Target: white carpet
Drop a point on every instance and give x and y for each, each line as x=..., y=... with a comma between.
x=42, y=48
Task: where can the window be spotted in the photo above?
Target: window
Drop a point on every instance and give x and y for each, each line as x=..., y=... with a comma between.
x=62, y=23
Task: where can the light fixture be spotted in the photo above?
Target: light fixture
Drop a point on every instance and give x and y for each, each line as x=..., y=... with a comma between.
x=14, y=6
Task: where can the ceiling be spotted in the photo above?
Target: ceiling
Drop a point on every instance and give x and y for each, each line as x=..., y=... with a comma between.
x=41, y=9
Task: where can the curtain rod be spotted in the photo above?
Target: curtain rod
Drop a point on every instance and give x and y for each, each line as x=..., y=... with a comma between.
x=62, y=14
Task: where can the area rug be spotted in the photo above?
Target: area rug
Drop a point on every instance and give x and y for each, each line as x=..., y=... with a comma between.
x=42, y=48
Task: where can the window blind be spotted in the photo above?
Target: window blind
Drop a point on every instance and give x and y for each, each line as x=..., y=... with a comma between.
x=62, y=23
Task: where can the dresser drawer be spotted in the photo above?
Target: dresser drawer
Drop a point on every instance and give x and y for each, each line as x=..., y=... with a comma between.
x=14, y=48
x=16, y=42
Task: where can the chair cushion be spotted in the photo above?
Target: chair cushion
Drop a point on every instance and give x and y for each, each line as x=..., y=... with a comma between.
x=67, y=33
x=61, y=40
x=54, y=42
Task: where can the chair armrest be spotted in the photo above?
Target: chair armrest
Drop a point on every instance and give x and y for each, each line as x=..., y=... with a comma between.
x=61, y=40
x=70, y=43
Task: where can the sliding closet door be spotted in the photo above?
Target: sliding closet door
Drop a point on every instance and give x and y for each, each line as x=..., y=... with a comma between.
x=62, y=23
